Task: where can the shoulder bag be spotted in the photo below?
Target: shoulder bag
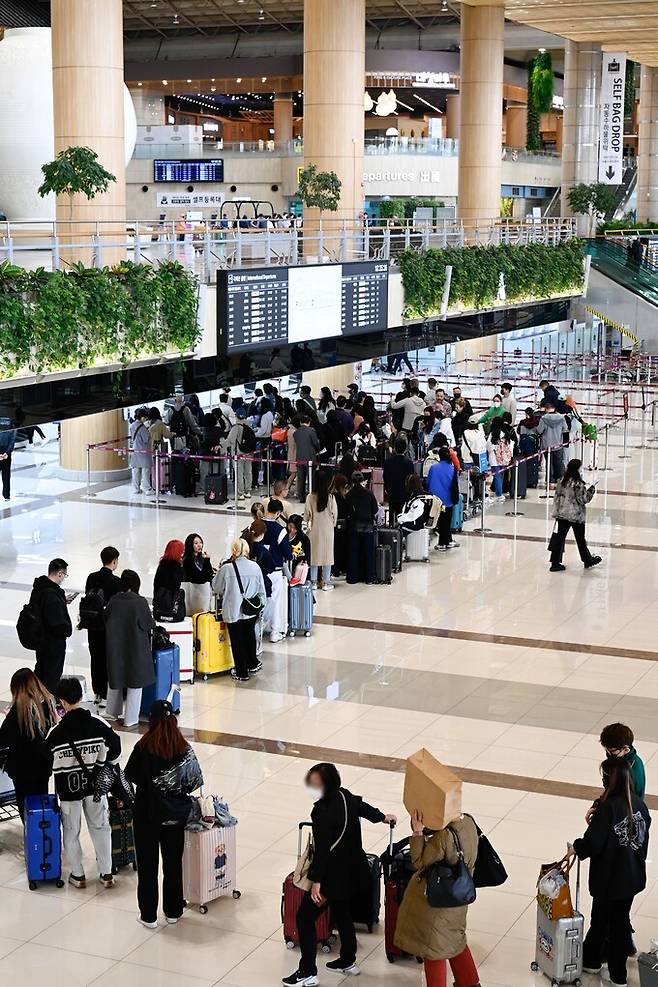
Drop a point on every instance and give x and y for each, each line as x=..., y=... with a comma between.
x=169, y=605
x=252, y=606
x=101, y=778
x=489, y=871
x=300, y=876
x=552, y=541
x=449, y=886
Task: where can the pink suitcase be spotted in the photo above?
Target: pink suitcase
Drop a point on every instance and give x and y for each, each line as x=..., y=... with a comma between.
x=377, y=484
x=209, y=866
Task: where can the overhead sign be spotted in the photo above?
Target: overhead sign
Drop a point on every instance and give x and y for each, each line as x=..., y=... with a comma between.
x=172, y=200
x=611, y=140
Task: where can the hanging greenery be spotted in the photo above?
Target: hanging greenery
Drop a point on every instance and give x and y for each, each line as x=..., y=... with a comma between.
x=542, y=82
x=85, y=317
x=629, y=90
x=531, y=271
x=533, y=142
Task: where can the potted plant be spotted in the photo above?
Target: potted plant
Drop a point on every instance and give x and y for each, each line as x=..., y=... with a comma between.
x=593, y=201
x=75, y=170
x=319, y=189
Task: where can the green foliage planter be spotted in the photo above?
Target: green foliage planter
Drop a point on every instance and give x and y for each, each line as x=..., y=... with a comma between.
x=85, y=317
x=532, y=271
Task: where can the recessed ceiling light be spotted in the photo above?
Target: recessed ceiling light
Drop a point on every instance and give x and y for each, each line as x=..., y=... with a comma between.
x=264, y=79
x=140, y=83
x=164, y=82
x=213, y=89
x=188, y=80
x=239, y=80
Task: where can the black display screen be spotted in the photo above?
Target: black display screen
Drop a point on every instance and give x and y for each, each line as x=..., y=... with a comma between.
x=188, y=170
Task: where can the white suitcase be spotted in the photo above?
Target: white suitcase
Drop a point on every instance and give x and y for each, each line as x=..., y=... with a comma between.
x=559, y=944
x=209, y=865
x=182, y=634
x=418, y=546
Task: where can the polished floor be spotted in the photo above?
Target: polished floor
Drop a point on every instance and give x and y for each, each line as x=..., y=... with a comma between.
x=501, y=669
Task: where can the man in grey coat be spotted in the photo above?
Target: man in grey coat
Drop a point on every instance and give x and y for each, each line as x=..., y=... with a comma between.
x=128, y=626
x=551, y=428
x=307, y=446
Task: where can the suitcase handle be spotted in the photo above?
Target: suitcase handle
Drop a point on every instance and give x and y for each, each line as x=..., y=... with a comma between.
x=302, y=825
x=390, y=840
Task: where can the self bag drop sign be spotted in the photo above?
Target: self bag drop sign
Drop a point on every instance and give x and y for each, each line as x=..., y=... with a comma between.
x=611, y=145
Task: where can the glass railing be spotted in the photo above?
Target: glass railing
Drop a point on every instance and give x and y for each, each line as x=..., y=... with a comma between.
x=612, y=259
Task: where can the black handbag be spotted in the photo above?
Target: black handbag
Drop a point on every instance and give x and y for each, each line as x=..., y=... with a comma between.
x=169, y=605
x=553, y=540
x=160, y=639
x=252, y=606
x=450, y=886
x=489, y=870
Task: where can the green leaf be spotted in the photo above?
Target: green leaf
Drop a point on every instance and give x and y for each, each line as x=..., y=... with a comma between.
x=75, y=170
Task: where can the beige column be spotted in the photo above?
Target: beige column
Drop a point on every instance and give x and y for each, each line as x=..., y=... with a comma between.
x=87, y=41
x=337, y=378
x=78, y=433
x=559, y=133
x=282, y=118
x=580, y=125
x=452, y=116
x=517, y=126
x=481, y=105
x=647, y=161
x=334, y=81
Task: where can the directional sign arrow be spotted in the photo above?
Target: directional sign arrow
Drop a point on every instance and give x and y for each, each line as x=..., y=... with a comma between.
x=610, y=173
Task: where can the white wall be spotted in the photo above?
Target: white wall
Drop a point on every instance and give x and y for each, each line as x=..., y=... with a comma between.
x=623, y=306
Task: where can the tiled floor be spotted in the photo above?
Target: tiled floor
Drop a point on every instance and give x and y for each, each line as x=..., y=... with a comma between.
x=453, y=656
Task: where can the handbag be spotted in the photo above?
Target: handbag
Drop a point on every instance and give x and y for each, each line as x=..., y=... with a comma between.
x=169, y=604
x=450, y=886
x=279, y=435
x=300, y=876
x=553, y=891
x=489, y=871
x=252, y=606
x=301, y=574
x=100, y=779
x=552, y=541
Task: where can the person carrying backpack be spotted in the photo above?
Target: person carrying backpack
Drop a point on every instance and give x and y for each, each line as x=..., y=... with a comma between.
x=241, y=442
x=184, y=428
x=44, y=624
x=100, y=587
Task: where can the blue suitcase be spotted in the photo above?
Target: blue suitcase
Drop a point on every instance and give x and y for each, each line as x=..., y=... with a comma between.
x=167, y=680
x=300, y=609
x=43, y=840
x=457, y=517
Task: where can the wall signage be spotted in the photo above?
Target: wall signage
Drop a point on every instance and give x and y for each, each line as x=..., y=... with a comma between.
x=611, y=140
x=171, y=200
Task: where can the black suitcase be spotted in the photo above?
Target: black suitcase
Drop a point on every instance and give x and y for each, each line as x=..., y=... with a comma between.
x=123, y=836
x=528, y=446
x=383, y=564
x=393, y=538
x=216, y=489
x=519, y=476
x=184, y=477
x=365, y=909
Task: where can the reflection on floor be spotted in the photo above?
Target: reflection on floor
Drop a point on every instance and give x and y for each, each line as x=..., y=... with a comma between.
x=500, y=668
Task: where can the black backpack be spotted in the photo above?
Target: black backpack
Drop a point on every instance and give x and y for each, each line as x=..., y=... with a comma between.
x=29, y=627
x=178, y=423
x=248, y=441
x=92, y=606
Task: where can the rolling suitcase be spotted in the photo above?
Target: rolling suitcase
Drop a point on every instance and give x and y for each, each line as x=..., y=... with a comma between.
x=383, y=564
x=519, y=476
x=291, y=899
x=417, y=547
x=528, y=446
x=365, y=910
x=184, y=477
x=212, y=647
x=647, y=965
x=167, y=680
x=216, y=489
x=559, y=944
x=43, y=840
x=300, y=609
x=393, y=538
x=182, y=634
x=209, y=865
x=457, y=516
x=123, y=836
x=377, y=484
x=398, y=871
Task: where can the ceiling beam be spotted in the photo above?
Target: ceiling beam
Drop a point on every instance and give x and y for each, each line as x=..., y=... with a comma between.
x=406, y=11
x=144, y=20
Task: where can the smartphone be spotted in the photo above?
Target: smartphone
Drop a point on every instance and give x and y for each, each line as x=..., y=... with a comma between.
x=70, y=597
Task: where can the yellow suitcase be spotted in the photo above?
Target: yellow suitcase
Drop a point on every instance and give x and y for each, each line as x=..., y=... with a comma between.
x=212, y=647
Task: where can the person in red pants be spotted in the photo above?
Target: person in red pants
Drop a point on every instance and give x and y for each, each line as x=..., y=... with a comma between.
x=438, y=935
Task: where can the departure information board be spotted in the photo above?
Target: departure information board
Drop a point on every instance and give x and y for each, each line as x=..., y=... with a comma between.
x=188, y=170
x=269, y=306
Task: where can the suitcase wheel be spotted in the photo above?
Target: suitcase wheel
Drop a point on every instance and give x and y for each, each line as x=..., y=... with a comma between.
x=59, y=884
x=205, y=678
x=390, y=957
x=290, y=944
x=307, y=633
x=326, y=947
x=291, y=633
x=534, y=966
x=33, y=885
x=203, y=909
x=237, y=894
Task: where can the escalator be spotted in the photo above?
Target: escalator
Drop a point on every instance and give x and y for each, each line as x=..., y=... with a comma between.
x=610, y=258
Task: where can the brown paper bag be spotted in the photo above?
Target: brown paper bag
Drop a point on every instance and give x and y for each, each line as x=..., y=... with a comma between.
x=433, y=789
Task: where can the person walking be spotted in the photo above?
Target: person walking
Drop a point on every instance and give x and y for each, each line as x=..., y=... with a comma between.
x=442, y=483
x=572, y=495
x=438, y=935
x=616, y=844
x=102, y=584
x=307, y=446
x=128, y=627
x=239, y=583
x=51, y=603
x=197, y=575
x=30, y=717
x=141, y=455
x=338, y=871
x=362, y=509
x=165, y=771
x=321, y=515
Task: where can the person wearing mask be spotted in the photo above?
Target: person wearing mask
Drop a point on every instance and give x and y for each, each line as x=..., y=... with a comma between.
x=128, y=626
x=442, y=483
x=572, y=495
x=321, y=514
x=307, y=446
x=325, y=404
x=23, y=731
x=239, y=583
x=76, y=747
x=343, y=414
x=551, y=429
x=461, y=417
x=103, y=583
x=457, y=395
x=306, y=396
x=495, y=411
x=362, y=510
x=164, y=770
x=430, y=427
x=141, y=456
x=338, y=488
x=509, y=403
x=411, y=406
x=167, y=581
x=7, y=443
x=51, y=603
x=185, y=430
x=277, y=544
x=437, y=935
x=338, y=871
x=300, y=545
x=616, y=844
x=197, y=575
x=396, y=470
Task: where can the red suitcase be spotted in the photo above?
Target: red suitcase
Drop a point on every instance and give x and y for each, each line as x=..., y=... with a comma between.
x=291, y=900
x=397, y=868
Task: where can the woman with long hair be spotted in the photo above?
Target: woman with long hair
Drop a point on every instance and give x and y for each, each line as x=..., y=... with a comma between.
x=168, y=602
x=326, y=403
x=572, y=495
x=321, y=514
x=616, y=843
x=239, y=583
x=22, y=733
x=338, y=488
x=164, y=770
x=500, y=454
x=197, y=575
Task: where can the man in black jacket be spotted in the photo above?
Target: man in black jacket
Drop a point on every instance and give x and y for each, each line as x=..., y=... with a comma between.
x=104, y=584
x=396, y=470
x=362, y=508
x=50, y=600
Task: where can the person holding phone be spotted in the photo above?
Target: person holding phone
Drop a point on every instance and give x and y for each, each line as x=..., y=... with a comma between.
x=50, y=602
x=572, y=495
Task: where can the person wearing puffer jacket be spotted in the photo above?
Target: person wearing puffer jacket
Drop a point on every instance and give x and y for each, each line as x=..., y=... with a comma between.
x=572, y=495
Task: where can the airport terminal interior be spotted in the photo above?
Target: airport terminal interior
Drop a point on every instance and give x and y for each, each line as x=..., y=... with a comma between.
x=389, y=267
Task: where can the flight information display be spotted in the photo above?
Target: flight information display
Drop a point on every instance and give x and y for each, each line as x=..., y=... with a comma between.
x=188, y=170
x=265, y=307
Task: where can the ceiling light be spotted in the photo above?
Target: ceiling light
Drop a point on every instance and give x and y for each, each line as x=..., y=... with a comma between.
x=264, y=79
x=188, y=80
x=175, y=18
x=239, y=80
x=140, y=83
x=164, y=82
x=261, y=15
x=444, y=7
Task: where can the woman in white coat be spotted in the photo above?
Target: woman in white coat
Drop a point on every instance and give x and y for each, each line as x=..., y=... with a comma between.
x=321, y=514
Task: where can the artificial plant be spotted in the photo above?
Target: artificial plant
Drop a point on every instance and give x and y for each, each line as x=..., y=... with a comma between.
x=319, y=189
x=75, y=170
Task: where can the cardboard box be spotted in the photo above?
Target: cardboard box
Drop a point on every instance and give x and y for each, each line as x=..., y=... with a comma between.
x=433, y=789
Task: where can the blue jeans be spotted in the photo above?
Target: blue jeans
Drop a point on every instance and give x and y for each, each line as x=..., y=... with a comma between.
x=326, y=573
x=498, y=473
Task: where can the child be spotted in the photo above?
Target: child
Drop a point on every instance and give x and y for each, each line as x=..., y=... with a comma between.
x=618, y=739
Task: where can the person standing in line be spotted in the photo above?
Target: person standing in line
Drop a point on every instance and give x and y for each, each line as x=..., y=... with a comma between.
x=105, y=584
x=362, y=510
x=551, y=429
x=197, y=575
x=411, y=406
x=240, y=434
x=430, y=393
x=300, y=545
x=23, y=732
x=616, y=843
x=165, y=771
x=77, y=746
x=442, y=483
x=167, y=581
x=509, y=403
x=128, y=626
x=239, y=583
x=492, y=412
x=7, y=443
x=277, y=543
x=572, y=495
x=307, y=446
x=396, y=470
x=51, y=603
x=141, y=457
x=321, y=514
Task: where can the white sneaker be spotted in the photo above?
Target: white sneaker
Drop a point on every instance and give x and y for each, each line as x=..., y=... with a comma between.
x=147, y=925
x=502, y=499
x=327, y=588
x=275, y=638
x=172, y=921
x=452, y=544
